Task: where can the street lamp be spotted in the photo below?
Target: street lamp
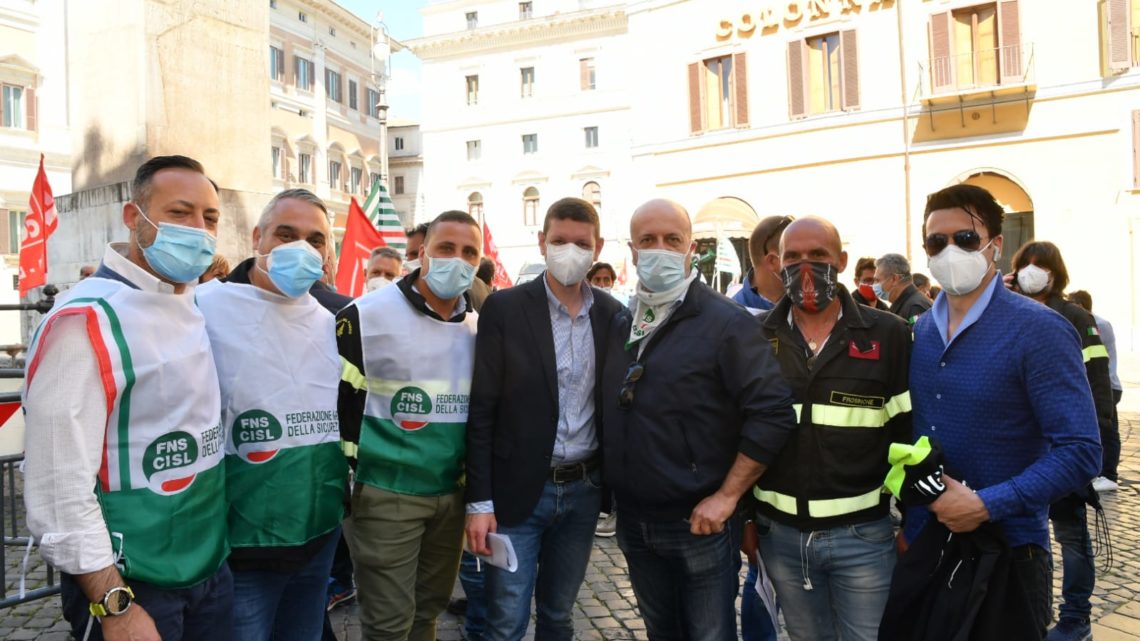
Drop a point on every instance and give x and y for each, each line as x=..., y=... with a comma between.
x=382, y=111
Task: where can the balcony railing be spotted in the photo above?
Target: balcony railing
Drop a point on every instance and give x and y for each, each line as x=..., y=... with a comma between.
x=981, y=70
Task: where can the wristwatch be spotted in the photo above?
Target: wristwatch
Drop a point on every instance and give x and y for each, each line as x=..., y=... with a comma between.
x=115, y=603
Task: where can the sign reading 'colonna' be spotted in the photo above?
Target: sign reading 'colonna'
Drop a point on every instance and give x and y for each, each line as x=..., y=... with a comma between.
x=790, y=14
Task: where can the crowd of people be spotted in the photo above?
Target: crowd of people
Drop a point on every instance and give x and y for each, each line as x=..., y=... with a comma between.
x=205, y=459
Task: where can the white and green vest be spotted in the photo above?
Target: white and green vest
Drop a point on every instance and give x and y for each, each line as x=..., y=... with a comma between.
x=279, y=371
x=161, y=485
x=418, y=369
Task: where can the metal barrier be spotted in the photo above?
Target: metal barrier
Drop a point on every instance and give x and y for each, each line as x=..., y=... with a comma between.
x=11, y=510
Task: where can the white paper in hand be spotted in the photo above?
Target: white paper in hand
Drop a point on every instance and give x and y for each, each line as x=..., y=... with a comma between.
x=502, y=552
x=767, y=594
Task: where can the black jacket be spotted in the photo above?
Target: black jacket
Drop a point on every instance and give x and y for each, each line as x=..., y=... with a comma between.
x=910, y=304
x=963, y=587
x=710, y=388
x=854, y=402
x=513, y=416
x=1096, y=359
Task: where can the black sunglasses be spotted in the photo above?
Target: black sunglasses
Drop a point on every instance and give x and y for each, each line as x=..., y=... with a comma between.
x=967, y=239
x=625, y=396
x=777, y=230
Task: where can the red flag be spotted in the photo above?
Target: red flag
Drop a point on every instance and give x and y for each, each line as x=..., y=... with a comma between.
x=7, y=410
x=501, y=279
x=360, y=238
x=39, y=223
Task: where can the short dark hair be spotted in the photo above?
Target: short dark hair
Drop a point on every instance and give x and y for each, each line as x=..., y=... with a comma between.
x=140, y=186
x=764, y=233
x=1045, y=255
x=975, y=201
x=1082, y=298
x=486, y=270
x=920, y=280
x=862, y=264
x=452, y=216
x=420, y=229
x=573, y=209
x=599, y=266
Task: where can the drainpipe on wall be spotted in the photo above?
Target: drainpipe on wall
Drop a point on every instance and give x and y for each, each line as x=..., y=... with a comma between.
x=905, y=129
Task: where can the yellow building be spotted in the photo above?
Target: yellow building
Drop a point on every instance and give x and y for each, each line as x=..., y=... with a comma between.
x=857, y=109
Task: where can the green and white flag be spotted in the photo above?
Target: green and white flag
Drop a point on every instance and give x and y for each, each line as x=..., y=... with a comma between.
x=378, y=208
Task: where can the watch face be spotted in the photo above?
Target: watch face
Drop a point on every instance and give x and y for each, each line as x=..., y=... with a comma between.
x=118, y=601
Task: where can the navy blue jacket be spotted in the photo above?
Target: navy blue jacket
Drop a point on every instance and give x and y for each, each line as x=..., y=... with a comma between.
x=710, y=388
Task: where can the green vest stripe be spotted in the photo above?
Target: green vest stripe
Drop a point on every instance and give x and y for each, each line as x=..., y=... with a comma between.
x=125, y=397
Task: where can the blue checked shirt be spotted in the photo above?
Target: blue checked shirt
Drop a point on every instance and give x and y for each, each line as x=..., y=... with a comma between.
x=575, y=440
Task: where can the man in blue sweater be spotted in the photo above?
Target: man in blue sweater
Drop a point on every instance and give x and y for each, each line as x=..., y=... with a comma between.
x=1000, y=382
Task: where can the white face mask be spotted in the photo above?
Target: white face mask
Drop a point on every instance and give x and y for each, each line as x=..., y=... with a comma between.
x=412, y=265
x=960, y=271
x=1032, y=280
x=377, y=282
x=568, y=263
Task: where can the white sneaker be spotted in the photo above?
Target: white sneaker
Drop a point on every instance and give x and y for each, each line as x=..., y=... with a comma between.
x=1101, y=484
x=607, y=526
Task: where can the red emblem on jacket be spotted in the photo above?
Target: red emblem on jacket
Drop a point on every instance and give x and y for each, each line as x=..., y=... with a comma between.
x=869, y=355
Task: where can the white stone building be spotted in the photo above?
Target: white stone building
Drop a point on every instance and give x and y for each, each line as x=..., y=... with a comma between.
x=525, y=103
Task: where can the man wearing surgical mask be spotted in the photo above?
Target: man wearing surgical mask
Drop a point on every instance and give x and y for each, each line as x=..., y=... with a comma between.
x=279, y=412
x=534, y=461
x=384, y=268
x=407, y=354
x=124, y=482
x=694, y=409
x=999, y=381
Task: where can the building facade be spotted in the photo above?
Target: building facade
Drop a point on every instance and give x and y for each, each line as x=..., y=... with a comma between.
x=856, y=110
x=33, y=120
x=525, y=103
x=406, y=168
x=326, y=101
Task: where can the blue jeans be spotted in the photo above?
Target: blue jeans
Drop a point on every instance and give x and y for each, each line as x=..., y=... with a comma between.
x=685, y=584
x=203, y=612
x=471, y=576
x=553, y=548
x=832, y=584
x=755, y=624
x=1078, y=575
x=284, y=607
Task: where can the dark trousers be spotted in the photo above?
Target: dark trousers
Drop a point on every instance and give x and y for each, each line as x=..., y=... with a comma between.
x=203, y=612
x=1110, y=441
x=686, y=585
x=1034, y=568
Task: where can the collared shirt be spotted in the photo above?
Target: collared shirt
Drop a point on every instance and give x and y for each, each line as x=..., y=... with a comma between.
x=941, y=311
x=575, y=439
x=65, y=404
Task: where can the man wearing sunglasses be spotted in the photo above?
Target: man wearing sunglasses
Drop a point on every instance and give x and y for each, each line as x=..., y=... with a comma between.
x=762, y=282
x=823, y=522
x=694, y=410
x=1000, y=381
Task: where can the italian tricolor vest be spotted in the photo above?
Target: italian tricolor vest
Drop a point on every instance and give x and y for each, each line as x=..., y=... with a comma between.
x=279, y=371
x=418, y=370
x=161, y=484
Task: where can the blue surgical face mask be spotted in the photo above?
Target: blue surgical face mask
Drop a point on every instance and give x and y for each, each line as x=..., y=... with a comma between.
x=449, y=277
x=660, y=270
x=294, y=267
x=878, y=287
x=179, y=253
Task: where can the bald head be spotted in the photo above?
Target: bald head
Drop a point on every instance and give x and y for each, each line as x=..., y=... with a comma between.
x=661, y=210
x=662, y=225
x=812, y=239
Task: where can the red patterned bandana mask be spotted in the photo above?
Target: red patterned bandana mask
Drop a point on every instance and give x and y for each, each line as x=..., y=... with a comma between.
x=810, y=286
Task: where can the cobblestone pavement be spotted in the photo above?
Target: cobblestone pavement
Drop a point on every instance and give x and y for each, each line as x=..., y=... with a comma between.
x=607, y=610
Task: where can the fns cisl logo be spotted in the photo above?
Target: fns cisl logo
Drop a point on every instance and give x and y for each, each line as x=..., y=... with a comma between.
x=255, y=435
x=165, y=460
x=410, y=405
